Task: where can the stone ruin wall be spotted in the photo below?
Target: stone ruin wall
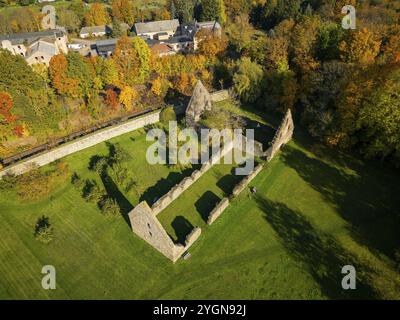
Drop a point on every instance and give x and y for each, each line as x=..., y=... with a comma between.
x=245, y=181
x=220, y=95
x=144, y=220
x=81, y=144
x=283, y=135
x=222, y=205
x=177, y=190
x=218, y=210
x=145, y=224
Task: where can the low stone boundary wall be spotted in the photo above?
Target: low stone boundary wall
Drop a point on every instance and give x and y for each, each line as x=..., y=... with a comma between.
x=220, y=96
x=222, y=205
x=243, y=184
x=178, y=189
x=78, y=145
x=218, y=210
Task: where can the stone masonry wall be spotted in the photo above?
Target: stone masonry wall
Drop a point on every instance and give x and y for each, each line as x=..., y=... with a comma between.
x=220, y=96
x=218, y=210
x=177, y=190
x=283, y=135
x=145, y=224
x=243, y=184
x=86, y=142
x=222, y=205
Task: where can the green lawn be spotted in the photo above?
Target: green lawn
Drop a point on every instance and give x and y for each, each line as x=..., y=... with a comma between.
x=193, y=207
x=315, y=211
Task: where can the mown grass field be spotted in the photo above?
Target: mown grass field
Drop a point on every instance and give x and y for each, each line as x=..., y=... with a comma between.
x=193, y=207
x=315, y=211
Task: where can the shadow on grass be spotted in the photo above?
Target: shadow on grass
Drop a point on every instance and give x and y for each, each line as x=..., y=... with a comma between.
x=262, y=133
x=114, y=192
x=322, y=255
x=182, y=228
x=206, y=204
x=228, y=182
x=365, y=199
x=163, y=186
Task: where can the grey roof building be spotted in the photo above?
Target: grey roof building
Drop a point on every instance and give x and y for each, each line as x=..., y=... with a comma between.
x=155, y=27
x=106, y=47
x=43, y=47
x=30, y=37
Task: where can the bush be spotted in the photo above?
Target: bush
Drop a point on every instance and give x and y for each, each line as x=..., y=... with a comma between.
x=8, y=182
x=167, y=114
x=117, y=154
x=92, y=192
x=109, y=207
x=77, y=181
x=98, y=164
x=43, y=230
x=36, y=184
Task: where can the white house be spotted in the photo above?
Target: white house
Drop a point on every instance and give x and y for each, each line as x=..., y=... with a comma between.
x=96, y=31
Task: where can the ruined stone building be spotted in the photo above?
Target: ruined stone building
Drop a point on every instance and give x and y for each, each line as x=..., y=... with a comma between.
x=143, y=218
x=201, y=101
x=282, y=136
x=145, y=224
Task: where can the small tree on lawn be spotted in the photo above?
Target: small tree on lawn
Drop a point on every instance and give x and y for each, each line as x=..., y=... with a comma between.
x=43, y=230
x=109, y=207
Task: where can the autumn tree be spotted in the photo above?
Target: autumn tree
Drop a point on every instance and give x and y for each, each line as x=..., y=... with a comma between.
x=391, y=44
x=185, y=83
x=127, y=97
x=184, y=10
x=237, y=7
x=213, y=10
x=210, y=44
x=248, y=80
x=123, y=10
x=6, y=104
x=304, y=44
x=362, y=46
x=132, y=58
x=111, y=99
x=160, y=86
x=7, y=119
x=97, y=15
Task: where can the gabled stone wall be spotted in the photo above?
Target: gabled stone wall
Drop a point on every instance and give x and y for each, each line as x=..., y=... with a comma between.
x=145, y=224
x=283, y=135
x=199, y=103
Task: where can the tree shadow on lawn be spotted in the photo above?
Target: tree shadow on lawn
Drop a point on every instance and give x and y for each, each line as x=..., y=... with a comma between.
x=114, y=192
x=322, y=255
x=164, y=185
x=228, y=182
x=262, y=133
x=182, y=228
x=206, y=203
x=364, y=201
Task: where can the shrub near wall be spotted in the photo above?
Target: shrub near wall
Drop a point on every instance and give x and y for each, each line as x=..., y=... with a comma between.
x=36, y=184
